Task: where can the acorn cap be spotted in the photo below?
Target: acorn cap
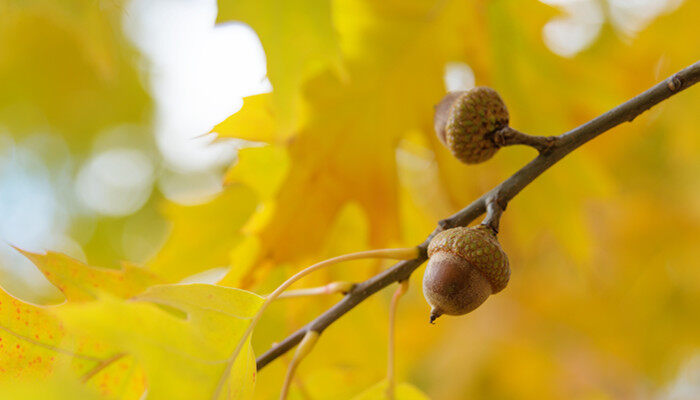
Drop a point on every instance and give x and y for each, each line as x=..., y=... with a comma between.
x=465, y=121
x=480, y=248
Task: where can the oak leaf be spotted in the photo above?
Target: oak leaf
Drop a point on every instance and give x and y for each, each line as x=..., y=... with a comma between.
x=181, y=335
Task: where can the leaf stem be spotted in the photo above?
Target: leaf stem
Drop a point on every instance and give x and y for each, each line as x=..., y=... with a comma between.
x=307, y=344
x=394, y=254
x=331, y=288
x=391, y=361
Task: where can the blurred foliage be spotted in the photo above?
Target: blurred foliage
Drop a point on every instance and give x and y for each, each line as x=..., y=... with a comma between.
x=603, y=298
x=67, y=66
x=72, y=87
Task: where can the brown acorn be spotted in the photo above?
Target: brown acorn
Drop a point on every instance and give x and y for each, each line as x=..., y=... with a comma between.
x=466, y=266
x=465, y=123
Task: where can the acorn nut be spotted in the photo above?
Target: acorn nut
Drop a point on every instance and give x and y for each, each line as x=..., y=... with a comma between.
x=466, y=265
x=465, y=122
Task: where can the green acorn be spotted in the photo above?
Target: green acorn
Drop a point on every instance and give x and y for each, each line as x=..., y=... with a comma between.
x=465, y=123
x=466, y=266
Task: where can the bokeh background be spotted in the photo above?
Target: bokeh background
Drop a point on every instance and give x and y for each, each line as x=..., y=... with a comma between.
x=116, y=145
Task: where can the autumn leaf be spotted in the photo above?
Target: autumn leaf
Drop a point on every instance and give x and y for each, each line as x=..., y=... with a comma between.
x=81, y=282
x=55, y=387
x=32, y=341
x=203, y=235
x=345, y=151
x=404, y=391
x=298, y=38
x=255, y=121
x=260, y=168
x=603, y=298
x=182, y=336
x=34, y=345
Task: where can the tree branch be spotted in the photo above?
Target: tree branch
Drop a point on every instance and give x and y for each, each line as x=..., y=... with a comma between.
x=504, y=192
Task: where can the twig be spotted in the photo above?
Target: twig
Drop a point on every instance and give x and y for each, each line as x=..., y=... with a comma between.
x=564, y=144
x=393, y=254
x=509, y=136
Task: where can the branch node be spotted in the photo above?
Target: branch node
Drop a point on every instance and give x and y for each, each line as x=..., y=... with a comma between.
x=445, y=224
x=494, y=210
x=674, y=83
x=349, y=290
x=508, y=136
x=550, y=142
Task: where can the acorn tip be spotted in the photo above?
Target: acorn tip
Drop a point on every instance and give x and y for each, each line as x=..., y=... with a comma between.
x=434, y=314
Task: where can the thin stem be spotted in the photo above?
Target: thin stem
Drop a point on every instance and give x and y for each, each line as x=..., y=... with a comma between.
x=394, y=254
x=509, y=136
x=391, y=361
x=506, y=191
x=297, y=379
x=301, y=387
x=307, y=344
x=331, y=288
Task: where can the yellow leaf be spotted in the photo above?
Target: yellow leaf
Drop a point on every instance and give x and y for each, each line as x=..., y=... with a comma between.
x=34, y=345
x=260, y=168
x=255, y=121
x=298, y=39
x=55, y=388
x=404, y=391
x=345, y=151
x=181, y=335
x=203, y=235
x=81, y=282
x=242, y=258
x=32, y=341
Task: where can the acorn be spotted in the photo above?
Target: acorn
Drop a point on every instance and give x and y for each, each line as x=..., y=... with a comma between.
x=466, y=266
x=466, y=121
